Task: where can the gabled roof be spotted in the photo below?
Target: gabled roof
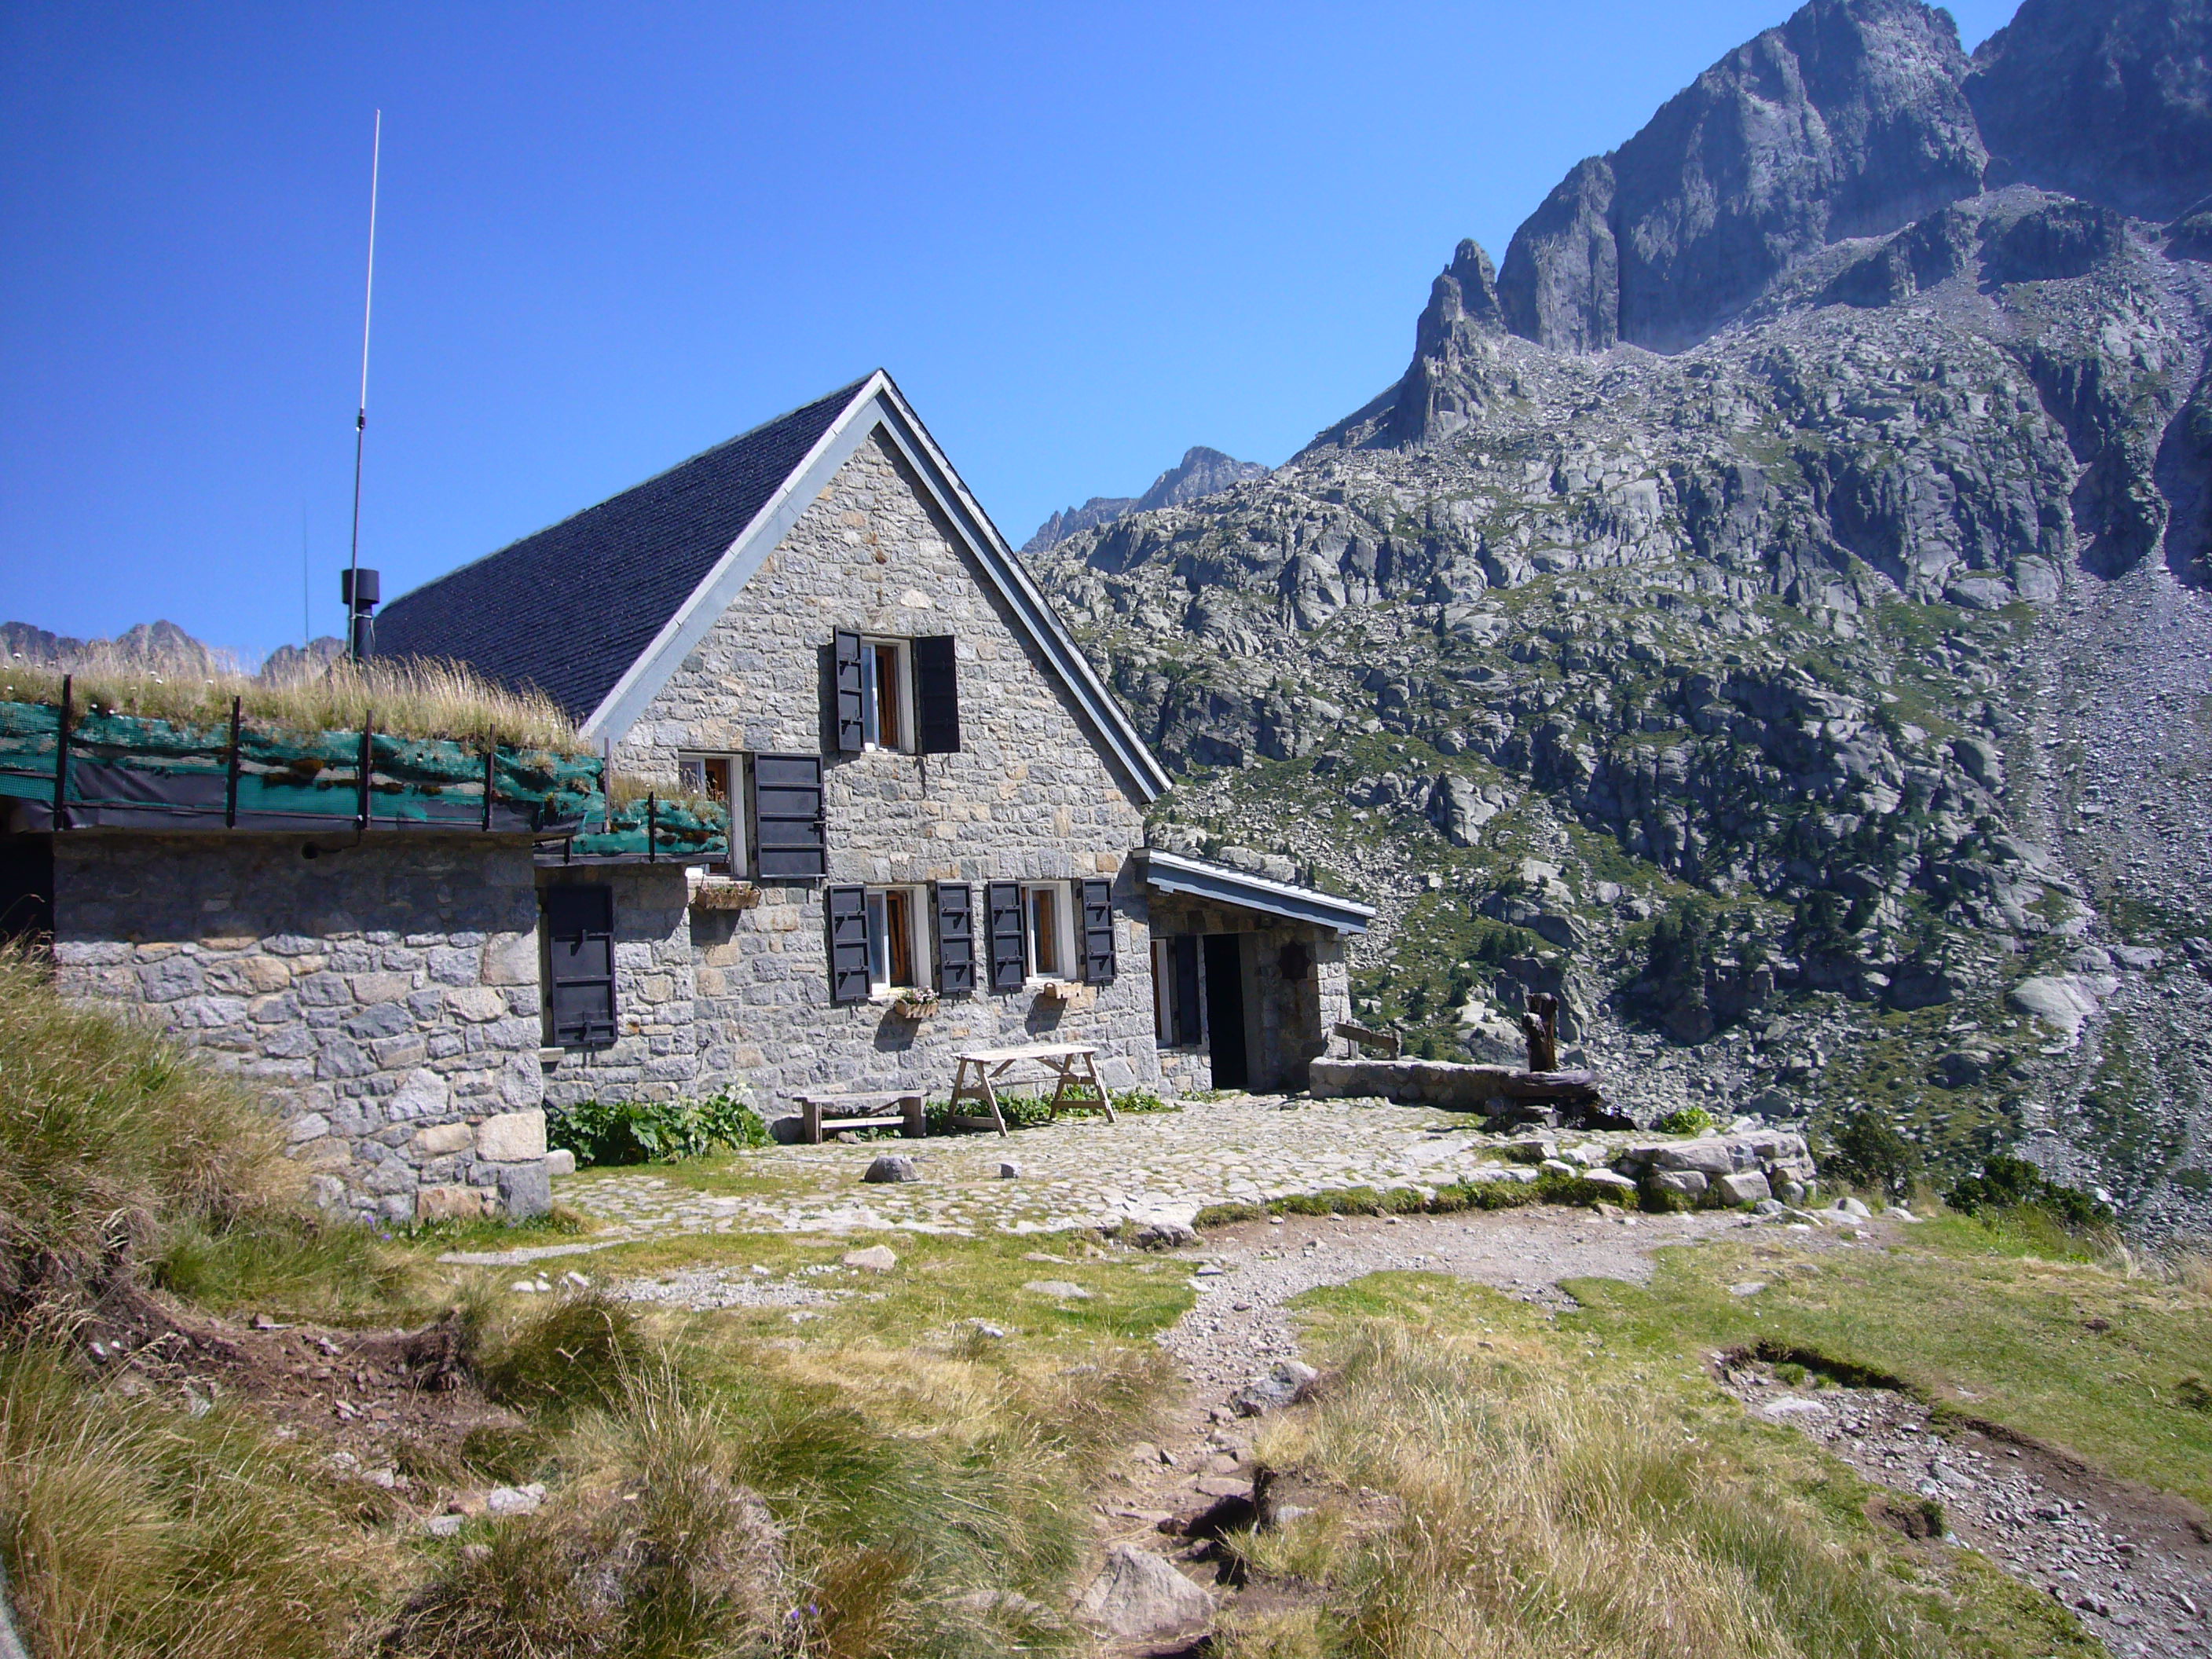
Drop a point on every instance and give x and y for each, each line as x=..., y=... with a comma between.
x=1172, y=872
x=599, y=610
x=570, y=609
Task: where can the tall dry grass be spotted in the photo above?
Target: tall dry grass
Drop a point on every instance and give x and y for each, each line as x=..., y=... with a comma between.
x=1537, y=1515
x=135, y=1530
x=415, y=697
x=111, y=1136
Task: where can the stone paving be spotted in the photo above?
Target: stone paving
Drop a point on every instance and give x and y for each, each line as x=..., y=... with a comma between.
x=1079, y=1172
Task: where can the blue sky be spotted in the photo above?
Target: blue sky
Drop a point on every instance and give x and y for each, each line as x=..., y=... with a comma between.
x=1082, y=238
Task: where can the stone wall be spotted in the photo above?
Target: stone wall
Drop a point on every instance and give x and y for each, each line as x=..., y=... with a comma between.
x=387, y=994
x=1029, y=796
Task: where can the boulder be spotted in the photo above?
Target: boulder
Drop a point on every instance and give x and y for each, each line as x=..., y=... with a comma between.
x=1748, y=1188
x=1139, y=1597
x=1060, y=1290
x=893, y=1167
x=2062, y=1001
x=1169, y=1227
x=1612, y=1178
x=1707, y=1158
x=1689, y=1183
x=1279, y=1386
x=876, y=1259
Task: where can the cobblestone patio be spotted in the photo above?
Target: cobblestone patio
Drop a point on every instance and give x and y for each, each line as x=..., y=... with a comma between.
x=1079, y=1172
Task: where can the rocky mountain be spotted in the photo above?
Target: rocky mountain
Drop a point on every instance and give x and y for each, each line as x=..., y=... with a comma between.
x=1202, y=471
x=1771, y=612
x=161, y=646
x=157, y=644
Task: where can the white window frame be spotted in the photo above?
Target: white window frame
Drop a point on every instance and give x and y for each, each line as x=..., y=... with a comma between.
x=691, y=766
x=1063, y=897
x=872, y=734
x=921, y=941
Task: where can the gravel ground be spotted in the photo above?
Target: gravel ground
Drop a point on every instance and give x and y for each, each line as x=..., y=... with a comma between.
x=2127, y=1559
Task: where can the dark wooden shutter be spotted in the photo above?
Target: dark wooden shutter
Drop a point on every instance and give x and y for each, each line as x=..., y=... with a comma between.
x=936, y=696
x=847, y=910
x=846, y=691
x=1183, y=947
x=788, y=843
x=1098, y=929
x=955, y=938
x=1003, y=900
x=580, y=934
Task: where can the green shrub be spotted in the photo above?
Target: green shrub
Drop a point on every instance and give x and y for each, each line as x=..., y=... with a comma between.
x=1866, y=1150
x=1685, y=1121
x=654, y=1131
x=2012, y=1183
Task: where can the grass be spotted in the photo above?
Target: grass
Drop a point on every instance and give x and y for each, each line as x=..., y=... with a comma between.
x=1480, y=1482
x=1983, y=1319
x=134, y=1530
x=111, y=1142
x=422, y=699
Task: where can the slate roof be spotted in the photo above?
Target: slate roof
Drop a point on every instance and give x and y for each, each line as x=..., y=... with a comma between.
x=570, y=609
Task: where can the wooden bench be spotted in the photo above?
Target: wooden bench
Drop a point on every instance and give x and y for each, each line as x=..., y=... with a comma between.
x=902, y=1112
x=1073, y=1066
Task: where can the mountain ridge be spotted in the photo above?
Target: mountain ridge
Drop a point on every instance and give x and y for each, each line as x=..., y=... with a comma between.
x=1782, y=636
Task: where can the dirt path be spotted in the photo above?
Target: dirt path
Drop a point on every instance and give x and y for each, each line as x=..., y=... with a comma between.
x=2133, y=1563
x=1240, y=1326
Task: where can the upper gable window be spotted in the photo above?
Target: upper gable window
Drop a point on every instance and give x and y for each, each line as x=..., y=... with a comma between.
x=886, y=693
x=901, y=695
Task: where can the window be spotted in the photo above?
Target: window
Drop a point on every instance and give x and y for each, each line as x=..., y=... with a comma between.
x=893, y=964
x=1043, y=906
x=878, y=941
x=720, y=779
x=892, y=694
x=579, y=965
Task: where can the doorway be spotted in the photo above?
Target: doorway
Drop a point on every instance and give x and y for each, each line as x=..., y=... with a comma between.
x=1225, y=1010
x=26, y=891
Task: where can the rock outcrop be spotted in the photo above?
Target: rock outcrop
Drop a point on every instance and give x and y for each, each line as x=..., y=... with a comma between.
x=1850, y=119
x=2110, y=99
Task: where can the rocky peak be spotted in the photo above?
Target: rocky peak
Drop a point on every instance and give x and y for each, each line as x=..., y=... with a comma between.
x=1201, y=472
x=2110, y=99
x=1850, y=119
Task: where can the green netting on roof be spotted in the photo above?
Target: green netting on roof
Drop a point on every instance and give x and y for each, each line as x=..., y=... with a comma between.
x=132, y=772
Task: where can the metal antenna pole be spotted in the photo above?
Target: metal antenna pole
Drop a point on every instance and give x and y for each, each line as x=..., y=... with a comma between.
x=360, y=418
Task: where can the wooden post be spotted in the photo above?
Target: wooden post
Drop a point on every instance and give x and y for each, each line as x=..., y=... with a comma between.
x=61, y=750
x=367, y=763
x=230, y=770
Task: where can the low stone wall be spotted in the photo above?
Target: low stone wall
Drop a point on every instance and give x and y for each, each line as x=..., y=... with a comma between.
x=385, y=993
x=1443, y=1083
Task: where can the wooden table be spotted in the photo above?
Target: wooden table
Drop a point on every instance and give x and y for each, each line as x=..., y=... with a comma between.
x=1072, y=1064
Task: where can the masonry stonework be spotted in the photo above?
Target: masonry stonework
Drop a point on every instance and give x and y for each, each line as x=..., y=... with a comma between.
x=1029, y=797
x=387, y=993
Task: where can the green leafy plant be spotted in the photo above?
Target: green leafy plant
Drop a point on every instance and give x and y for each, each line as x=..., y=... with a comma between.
x=2008, y=1183
x=1866, y=1149
x=654, y=1131
x=1685, y=1121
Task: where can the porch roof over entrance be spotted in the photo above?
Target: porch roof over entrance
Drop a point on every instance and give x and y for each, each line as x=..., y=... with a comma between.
x=1174, y=873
